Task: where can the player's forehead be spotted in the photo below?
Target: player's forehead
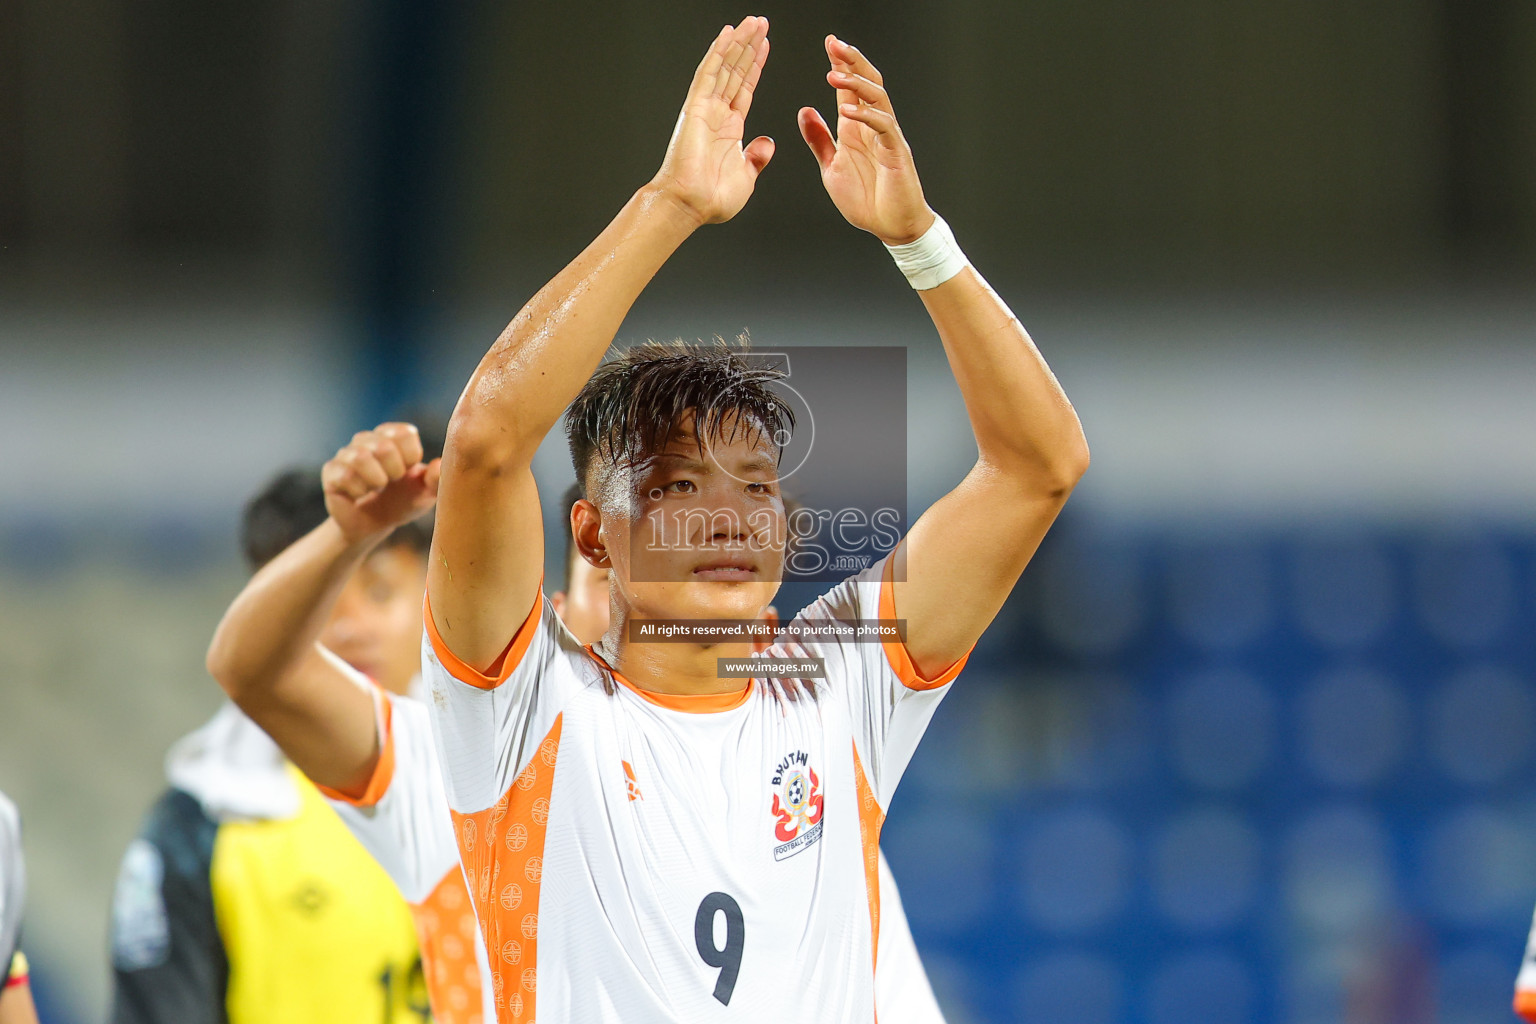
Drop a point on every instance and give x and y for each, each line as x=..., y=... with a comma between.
x=737, y=443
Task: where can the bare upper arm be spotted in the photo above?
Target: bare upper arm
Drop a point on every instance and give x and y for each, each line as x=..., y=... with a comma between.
x=323, y=717
x=961, y=560
x=487, y=556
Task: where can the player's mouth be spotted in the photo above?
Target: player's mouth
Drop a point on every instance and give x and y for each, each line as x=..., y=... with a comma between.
x=729, y=570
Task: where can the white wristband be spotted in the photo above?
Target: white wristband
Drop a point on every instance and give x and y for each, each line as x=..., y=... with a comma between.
x=932, y=259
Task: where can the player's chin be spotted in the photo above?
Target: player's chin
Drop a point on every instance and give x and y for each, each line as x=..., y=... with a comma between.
x=726, y=599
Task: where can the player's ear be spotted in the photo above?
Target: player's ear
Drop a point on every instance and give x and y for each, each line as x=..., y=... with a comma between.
x=587, y=532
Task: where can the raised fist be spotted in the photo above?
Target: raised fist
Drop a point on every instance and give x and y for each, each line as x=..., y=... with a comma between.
x=378, y=481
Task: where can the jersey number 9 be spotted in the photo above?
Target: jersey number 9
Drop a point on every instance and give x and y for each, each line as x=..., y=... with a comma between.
x=728, y=959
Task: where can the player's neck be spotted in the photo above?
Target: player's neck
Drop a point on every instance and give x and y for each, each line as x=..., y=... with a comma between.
x=673, y=668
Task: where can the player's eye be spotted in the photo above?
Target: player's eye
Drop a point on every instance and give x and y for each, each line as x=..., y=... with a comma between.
x=380, y=593
x=684, y=486
x=760, y=488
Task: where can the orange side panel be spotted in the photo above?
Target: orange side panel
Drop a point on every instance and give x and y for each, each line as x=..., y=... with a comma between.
x=871, y=818
x=445, y=930
x=502, y=848
x=1525, y=1004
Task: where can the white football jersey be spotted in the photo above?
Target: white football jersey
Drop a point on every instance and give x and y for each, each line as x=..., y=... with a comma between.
x=403, y=821
x=639, y=857
x=903, y=994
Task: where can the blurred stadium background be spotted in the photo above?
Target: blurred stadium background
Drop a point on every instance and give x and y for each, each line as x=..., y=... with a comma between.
x=1256, y=739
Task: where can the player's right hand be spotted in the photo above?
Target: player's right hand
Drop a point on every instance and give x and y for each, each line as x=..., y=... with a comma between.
x=707, y=170
x=378, y=481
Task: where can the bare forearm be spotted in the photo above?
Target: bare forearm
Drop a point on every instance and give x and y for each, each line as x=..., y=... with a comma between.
x=551, y=347
x=966, y=552
x=1023, y=423
x=274, y=623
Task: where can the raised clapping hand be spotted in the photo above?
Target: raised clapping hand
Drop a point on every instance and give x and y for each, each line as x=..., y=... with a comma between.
x=378, y=482
x=707, y=169
x=867, y=169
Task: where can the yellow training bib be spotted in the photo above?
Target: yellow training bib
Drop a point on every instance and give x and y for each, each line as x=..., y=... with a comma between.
x=315, y=931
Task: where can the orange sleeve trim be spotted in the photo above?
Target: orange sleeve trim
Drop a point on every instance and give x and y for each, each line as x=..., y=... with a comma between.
x=383, y=768
x=1525, y=1003
x=500, y=670
x=896, y=650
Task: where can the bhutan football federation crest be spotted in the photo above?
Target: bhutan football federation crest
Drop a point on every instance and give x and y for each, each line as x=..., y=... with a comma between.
x=797, y=805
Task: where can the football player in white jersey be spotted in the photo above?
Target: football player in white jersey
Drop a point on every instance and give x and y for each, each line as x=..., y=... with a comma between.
x=903, y=994
x=644, y=839
x=310, y=700
x=278, y=653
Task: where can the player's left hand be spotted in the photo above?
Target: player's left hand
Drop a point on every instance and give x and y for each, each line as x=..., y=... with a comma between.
x=867, y=169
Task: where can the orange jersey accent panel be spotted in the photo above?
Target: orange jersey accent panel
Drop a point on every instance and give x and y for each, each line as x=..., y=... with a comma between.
x=383, y=768
x=693, y=703
x=871, y=818
x=1525, y=1004
x=445, y=931
x=896, y=650
x=502, y=849
x=503, y=667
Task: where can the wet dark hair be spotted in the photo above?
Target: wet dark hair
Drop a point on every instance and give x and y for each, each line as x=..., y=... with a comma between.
x=634, y=403
x=293, y=503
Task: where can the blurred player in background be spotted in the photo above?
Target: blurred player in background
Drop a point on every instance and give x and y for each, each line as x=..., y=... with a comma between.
x=903, y=994
x=645, y=838
x=291, y=652
x=15, y=988
x=245, y=899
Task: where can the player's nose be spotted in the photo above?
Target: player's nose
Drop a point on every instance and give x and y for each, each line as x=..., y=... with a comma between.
x=731, y=522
